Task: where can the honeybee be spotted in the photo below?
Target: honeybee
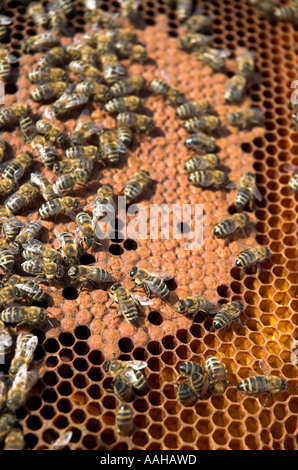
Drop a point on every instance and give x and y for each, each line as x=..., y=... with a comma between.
x=69, y=248
x=149, y=282
x=227, y=314
x=85, y=70
x=246, y=191
x=193, y=41
x=209, y=124
x=38, y=15
x=125, y=135
x=49, y=269
x=5, y=346
x=7, y=260
x=27, y=287
x=103, y=202
x=31, y=230
x=84, y=129
x=136, y=184
x=67, y=181
x=7, y=421
x=11, y=226
x=202, y=162
x=53, y=57
x=193, y=108
x=294, y=117
x=245, y=65
x=21, y=109
x=121, y=33
x=128, y=86
x=83, y=52
x=66, y=6
x=217, y=375
x=4, y=22
x=269, y=384
x=44, y=186
x=185, y=394
x=56, y=206
x=173, y=95
x=255, y=255
x=83, y=151
x=16, y=168
x=265, y=6
x=110, y=146
x=127, y=371
x=46, y=152
x=7, y=117
x=41, y=42
x=288, y=14
x=201, y=142
x=198, y=22
x=58, y=20
x=231, y=224
x=46, y=91
x=69, y=166
x=139, y=122
x=293, y=182
x=6, y=59
x=246, y=118
x=92, y=274
x=184, y=9
x=111, y=68
x=125, y=103
x=8, y=186
x=133, y=52
x=86, y=227
x=102, y=18
x=97, y=91
x=214, y=58
x=35, y=248
x=235, y=89
x=129, y=9
x=14, y=440
x=10, y=294
x=124, y=420
x=207, y=178
x=122, y=390
x=193, y=305
x=22, y=197
x=22, y=384
x=28, y=128
x=2, y=148
x=47, y=74
x=66, y=102
x=25, y=346
x=127, y=304
x=23, y=315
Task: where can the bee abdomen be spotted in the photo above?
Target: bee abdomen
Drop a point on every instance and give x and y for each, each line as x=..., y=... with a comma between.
x=224, y=228
x=221, y=320
x=242, y=197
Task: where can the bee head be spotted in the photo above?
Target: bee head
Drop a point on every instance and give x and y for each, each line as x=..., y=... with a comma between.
x=133, y=271
x=181, y=307
x=60, y=271
x=77, y=204
x=43, y=314
x=61, y=139
x=115, y=287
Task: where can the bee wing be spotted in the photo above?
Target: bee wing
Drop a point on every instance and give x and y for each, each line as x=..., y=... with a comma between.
x=21, y=378
x=161, y=275
x=142, y=300
x=5, y=20
x=12, y=222
x=62, y=441
x=257, y=193
x=5, y=340
x=136, y=365
x=264, y=366
x=33, y=244
x=289, y=168
x=91, y=4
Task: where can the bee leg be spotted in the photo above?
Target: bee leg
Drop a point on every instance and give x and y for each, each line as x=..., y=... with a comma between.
x=267, y=398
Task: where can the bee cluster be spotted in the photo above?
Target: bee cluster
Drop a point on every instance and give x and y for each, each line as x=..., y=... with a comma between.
x=89, y=71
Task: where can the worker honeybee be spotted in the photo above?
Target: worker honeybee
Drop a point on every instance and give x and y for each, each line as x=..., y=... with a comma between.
x=124, y=103
x=136, y=184
x=139, y=122
x=22, y=384
x=14, y=440
x=235, y=89
x=16, y=167
x=251, y=256
x=6, y=342
x=22, y=197
x=27, y=287
x=40, y=42
x=59, y=205
x=128, y=86
x=246, y=191
x=172, y=94
x=231, y=224
x=69, y=250
x=86, y=228
x=31, y=230
x=53, y=133
x=66, y=182
x=192, y=41
x=246, y=64
x=103, y=202
x=193, y=108
x=198, y=23
x=26, y=344
x=208, y=161
x=201, y=142
x=208, y=178
x=217, y=375
x=208, y=124
x=246, y=118
x=127, y=371
x=48, y=90
x=23, y=315
x=185, y=394
x=227, y=314
x=49, y=269
x=47, y=74
x=38, y=14
x=214, y=58
x=127, y=303
x=193, y=305
x=7, y=421
x=44, y=185
x=110, y=145
x=92, y=274
x=150, y=282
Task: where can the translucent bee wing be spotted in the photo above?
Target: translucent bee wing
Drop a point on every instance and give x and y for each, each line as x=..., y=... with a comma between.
x=48, y=113
x=136, y=365
x=33, y=243
x=19, y=173
x=62, y=441
x=21, y=378
x=91, y=4
x=118, y=68
x=161, y=275
x=264, y=366
x=5, y=20
x=289, y=168
x=142, y=300
x=121, y=147
x=12, y=223
x=257, y=194
x=12, y=59
x=231, y=185
x=5, y=340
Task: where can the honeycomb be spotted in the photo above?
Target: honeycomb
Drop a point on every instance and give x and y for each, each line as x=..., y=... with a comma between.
x=73, y=393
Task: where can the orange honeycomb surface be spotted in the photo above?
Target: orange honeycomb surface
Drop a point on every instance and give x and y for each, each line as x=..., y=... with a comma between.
x=74, y=391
